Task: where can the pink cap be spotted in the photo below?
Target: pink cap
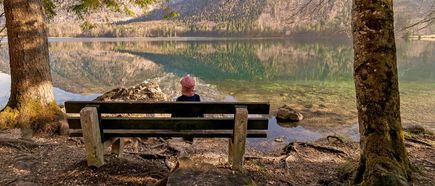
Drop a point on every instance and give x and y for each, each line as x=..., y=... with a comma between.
x=187, y=86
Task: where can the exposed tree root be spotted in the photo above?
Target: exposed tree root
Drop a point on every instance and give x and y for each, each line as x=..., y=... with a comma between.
x=158, y=145
x=11, y=181
x=286, y=182
x=336, y=138
x=18, y=143
x=268, y=158
x=171, y=149
x=430, y=162
x=148, y=156
x=291, y=147
x=171, y=165
x=415, y=140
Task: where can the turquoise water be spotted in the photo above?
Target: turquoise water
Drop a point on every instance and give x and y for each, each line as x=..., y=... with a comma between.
x=315, y=77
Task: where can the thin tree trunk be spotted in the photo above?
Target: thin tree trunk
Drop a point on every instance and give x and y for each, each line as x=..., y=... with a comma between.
x=28, y=51
x=384, y=160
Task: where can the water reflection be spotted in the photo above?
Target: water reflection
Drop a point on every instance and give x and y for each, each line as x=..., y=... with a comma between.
x=88, y=67
x=276, y=59
x=251, y=60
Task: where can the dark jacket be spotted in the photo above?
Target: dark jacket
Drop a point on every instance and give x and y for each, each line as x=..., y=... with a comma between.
x=188, y=112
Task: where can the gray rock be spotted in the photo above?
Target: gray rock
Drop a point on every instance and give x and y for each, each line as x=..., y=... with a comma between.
x=287, y=114
x=280, y=139
x=415, y=129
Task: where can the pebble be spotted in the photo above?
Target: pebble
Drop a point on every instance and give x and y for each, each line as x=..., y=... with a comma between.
x=280, y=139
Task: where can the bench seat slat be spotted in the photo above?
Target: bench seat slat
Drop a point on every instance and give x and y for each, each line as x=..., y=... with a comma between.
x=171, y=123
x=167, y=107
x=111, y=133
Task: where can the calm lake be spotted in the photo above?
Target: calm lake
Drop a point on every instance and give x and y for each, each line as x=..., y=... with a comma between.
x=314, y=77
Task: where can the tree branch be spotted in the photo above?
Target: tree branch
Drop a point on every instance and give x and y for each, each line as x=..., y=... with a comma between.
x=1, y=39
x=427, y=19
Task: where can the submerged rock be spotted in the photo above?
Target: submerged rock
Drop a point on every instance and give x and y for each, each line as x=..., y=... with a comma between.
x=288, y=124
x=145, y=91
x=280, y=139
x=287, y=114
x=416, y=129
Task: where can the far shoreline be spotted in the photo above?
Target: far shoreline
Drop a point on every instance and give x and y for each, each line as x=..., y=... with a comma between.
x=120, y=39
x=430, y=38
x=188, y=38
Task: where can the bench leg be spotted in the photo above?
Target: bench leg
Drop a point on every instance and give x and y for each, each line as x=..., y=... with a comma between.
x=239, y=138
x=230, y=151
x=118, y=147
x=92, y=137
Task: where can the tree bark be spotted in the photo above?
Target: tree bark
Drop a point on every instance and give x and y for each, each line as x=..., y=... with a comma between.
x=28, y=51
x=384, y=160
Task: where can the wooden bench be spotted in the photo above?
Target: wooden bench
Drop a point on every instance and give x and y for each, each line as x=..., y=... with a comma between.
x=100, y=128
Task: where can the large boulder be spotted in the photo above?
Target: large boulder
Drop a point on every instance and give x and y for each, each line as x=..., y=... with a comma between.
x=145, y=91
x=287, y=114
x=164, y=88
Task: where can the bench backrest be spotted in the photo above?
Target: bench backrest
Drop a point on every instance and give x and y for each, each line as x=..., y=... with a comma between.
x=134, y=126
x=167, y=107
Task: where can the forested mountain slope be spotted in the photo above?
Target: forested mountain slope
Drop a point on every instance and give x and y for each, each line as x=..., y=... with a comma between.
x=285, y=16
x=236, y=18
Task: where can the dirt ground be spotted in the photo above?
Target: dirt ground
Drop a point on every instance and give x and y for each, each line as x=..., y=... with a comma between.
x=59, y=160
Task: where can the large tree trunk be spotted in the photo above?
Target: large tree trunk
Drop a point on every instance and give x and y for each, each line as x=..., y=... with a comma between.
x=31, y=100
x=384, y=160
x=28, y=51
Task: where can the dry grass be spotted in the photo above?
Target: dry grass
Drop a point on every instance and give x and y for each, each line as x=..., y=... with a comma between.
x=31, y=114
x=8, y=118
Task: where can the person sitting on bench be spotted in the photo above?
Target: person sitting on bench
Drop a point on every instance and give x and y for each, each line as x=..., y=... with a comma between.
x=188, y=94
